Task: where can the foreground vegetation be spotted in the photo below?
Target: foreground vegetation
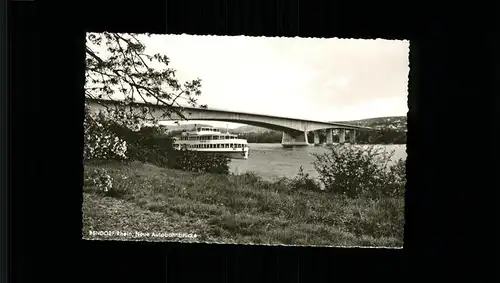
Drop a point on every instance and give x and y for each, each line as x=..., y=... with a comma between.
x=239, y=209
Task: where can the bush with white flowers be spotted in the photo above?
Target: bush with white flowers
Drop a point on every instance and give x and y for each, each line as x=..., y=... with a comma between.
x=101, y=180
x=99, y=141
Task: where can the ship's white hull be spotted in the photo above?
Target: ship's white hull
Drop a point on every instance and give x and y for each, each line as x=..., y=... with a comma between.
x=231, y=153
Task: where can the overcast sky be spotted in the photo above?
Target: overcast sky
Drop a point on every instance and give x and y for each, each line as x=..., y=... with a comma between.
x=313, y=78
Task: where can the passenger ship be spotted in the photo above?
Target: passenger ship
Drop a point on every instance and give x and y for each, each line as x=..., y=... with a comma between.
x=211, y=140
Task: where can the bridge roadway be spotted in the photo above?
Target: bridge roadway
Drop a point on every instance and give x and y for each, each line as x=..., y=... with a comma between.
x=294, y=130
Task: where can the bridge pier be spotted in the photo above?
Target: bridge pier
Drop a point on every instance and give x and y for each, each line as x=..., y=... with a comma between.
x=288, y=140
x=352, y=136
x=316, y=138
x=341, y=136
x=329, y=137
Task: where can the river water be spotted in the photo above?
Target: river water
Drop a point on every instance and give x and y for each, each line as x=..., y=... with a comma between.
x=271, y=160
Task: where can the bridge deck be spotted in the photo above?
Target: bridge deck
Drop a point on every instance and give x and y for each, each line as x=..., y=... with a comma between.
x=159, y=107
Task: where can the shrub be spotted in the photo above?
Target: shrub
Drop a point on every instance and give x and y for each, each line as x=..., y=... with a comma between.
x=355, y=171
x=99, y=141
x=104, y=138
x=396, y=179
x=148, y=146
x=199, y=162
x=102, y=182
x=304, y=182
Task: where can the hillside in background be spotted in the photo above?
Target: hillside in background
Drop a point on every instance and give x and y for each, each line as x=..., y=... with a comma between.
x=249, y=129
x=397, y=123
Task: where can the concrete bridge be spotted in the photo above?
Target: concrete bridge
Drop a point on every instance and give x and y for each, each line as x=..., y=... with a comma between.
x=294, y=130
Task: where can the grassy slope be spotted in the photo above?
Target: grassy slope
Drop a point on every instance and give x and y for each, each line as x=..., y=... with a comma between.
x=238, y=209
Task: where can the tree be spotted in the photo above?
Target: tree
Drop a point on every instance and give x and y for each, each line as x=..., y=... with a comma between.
x=117, y=64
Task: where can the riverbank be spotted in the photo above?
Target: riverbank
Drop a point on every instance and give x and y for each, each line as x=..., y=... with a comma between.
x=231, y=209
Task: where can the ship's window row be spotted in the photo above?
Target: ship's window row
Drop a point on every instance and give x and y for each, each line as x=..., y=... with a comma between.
x=204, y=138
x=227, y=145
x=207, y=129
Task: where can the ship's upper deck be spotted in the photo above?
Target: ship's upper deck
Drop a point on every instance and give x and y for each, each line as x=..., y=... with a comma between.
x=207, y=131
